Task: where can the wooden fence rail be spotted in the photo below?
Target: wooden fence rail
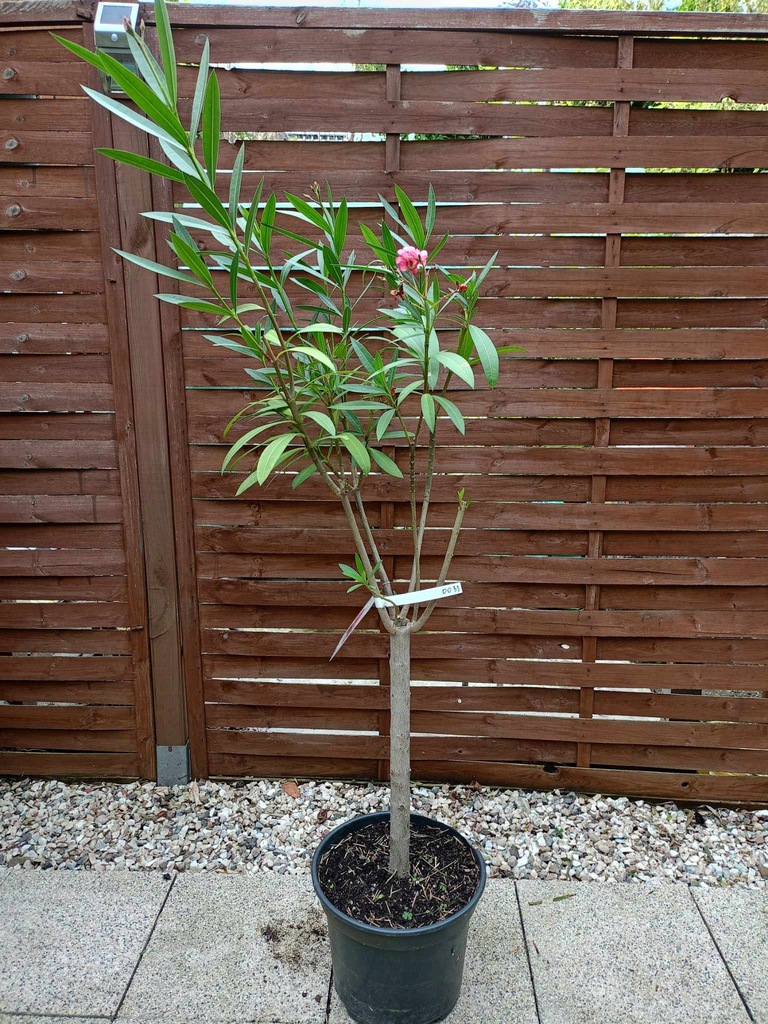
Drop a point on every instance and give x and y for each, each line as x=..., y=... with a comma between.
x=613, y=634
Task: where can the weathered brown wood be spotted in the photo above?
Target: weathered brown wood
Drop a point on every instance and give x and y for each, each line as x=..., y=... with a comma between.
x=154, y=506
x=79, y=765
x=181, y=490
x=116, y=319
x=626, y=84
x=76, y=670
x=74, y=508
x=74, y=641
x=123, y=740
x=85, y=719
x=544, y=22
x=68, y=693
x=74, y=182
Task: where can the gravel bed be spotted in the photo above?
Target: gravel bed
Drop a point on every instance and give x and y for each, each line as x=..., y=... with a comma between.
x=272, y=826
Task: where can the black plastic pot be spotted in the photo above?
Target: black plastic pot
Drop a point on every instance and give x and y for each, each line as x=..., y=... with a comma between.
x=393, y=975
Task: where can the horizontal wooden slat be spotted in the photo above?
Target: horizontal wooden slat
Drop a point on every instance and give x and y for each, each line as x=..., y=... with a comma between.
x=34, y=397
x=544, y=23
x=65, y=669
x=73, y=182
x=497, y=671
x=624, y=84
x=60, y=427
x=38, y=77
x=47, y=562
x=60, y=481
x=392, y=46
x=40, y=115
x=34, y=454
x=21, y=146
x=81, y=719
x=73, y=508
x=69, y=693
x=34, y=278
x=65, y=641
x=80, y=765
x=123, y=740
x=57, y=246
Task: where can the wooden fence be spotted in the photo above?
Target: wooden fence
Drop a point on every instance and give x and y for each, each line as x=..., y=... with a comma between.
x=613, y=634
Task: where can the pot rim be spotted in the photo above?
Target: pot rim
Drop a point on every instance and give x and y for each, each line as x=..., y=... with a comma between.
x=372, y=929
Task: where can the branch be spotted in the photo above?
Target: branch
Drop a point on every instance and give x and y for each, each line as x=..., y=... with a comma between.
x=384, y=613
x=456, y=530
x=419, y=540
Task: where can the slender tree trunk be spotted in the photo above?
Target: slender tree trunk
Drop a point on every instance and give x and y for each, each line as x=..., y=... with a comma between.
x=400, y=751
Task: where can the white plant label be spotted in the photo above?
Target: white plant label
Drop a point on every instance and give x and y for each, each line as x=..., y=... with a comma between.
x=398, y=600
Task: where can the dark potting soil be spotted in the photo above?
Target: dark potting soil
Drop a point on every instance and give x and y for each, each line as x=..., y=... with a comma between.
x=354, y=875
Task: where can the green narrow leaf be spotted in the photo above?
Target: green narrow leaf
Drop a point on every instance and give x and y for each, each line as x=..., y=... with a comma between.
x=79, y=51
x=383, y=422
x=316, y=354
x=454, y=414
x=268, y=223
x=157, y=268
x=126, y=113
x=457, y=364
x=340, y=227
x=199, y=97
x=154, y=106
x=431, y=211
x=323, y=421
x=234, y=184
x=250, y=220
x=241, y=442
x=205, y=194
x=384, y=462
x=271, y=455
x=357, y=450
x=428, y=411
x=143, y=163
x=233, y=280
x=307, y=212
x=148, y=67
x=487, y=354
x=412, y=218
x=305, y=474
x=165, y=38
x=321, y=328
x=211, y=126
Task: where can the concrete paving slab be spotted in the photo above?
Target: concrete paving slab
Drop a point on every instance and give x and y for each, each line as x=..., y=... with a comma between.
x=13, y=1018
x=738, y=920
x=497, y=982
x=70, y=940
x=639, y=954
x=234, y=948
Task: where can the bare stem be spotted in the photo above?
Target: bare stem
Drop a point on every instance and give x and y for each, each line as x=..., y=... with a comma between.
x=400, y=749
x=419, y=539
x=455, y=531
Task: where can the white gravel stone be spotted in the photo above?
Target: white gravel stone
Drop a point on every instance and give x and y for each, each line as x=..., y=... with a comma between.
x=256, y=826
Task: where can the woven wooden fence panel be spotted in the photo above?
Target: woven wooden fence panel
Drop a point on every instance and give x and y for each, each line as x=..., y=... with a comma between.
x=614, y=553
x=612, y=634
x=74, y=677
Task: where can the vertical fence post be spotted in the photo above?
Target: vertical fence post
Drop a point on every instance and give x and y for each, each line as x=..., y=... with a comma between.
x=134, y=197
x=609, y=305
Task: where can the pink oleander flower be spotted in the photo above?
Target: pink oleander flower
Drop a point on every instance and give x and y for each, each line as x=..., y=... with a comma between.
x=411, y=258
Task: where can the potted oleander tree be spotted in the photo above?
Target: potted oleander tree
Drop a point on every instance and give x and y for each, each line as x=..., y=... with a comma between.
x=340, y=393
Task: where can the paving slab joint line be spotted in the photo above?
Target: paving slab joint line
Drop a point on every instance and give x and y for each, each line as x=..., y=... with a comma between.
x=144, y=947
x=527, y=954
x=727, y=966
